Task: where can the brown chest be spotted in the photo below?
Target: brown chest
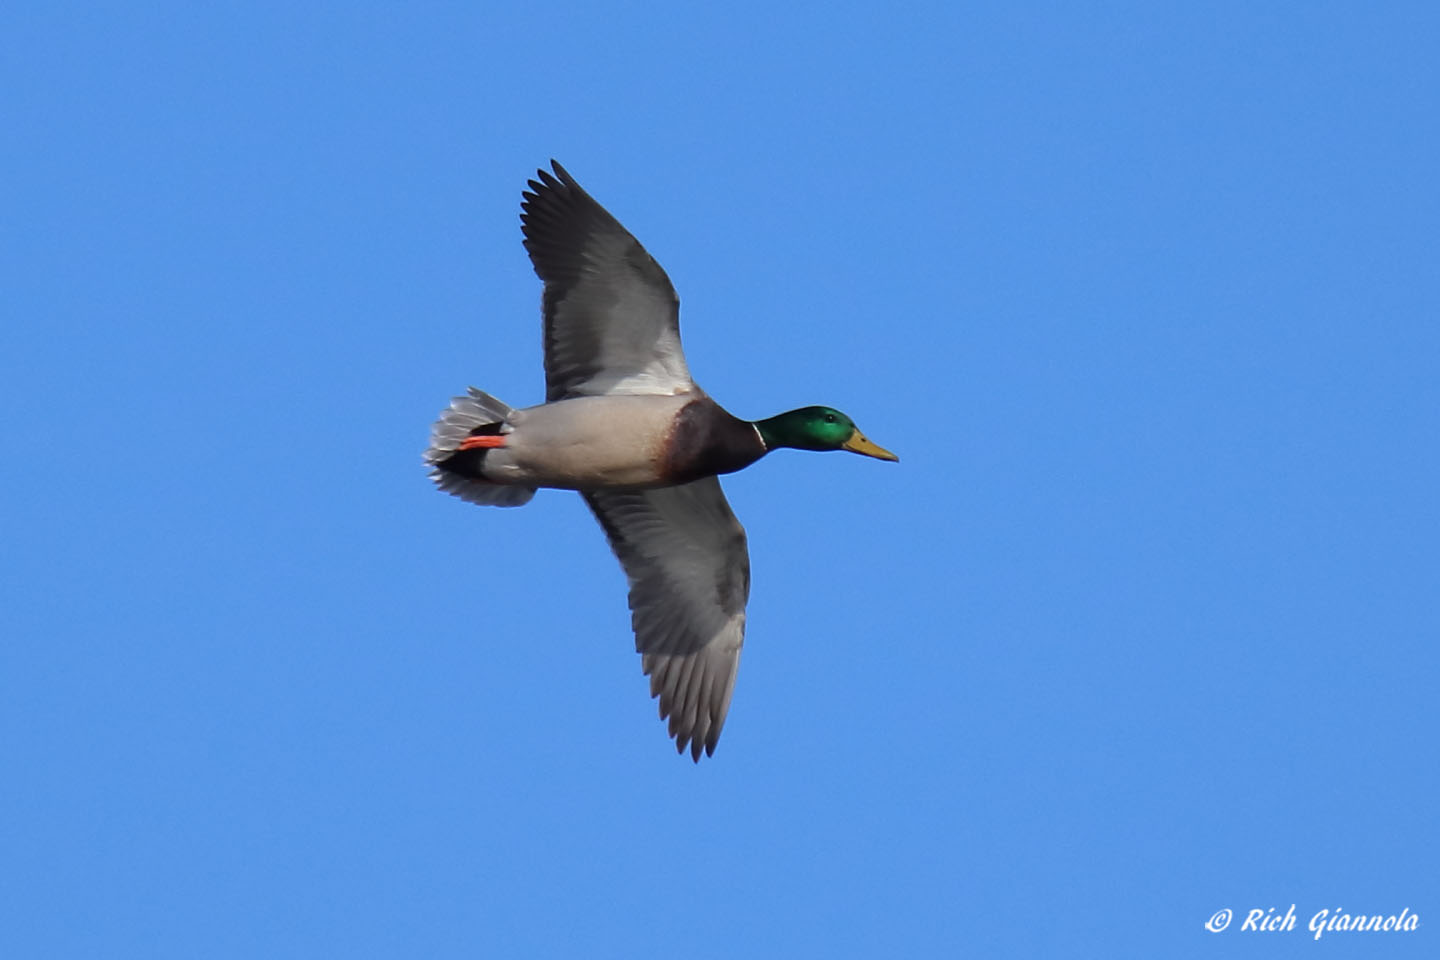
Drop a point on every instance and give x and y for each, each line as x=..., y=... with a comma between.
x=706, y=440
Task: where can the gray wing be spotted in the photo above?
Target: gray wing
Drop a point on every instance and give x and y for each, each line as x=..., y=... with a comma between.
x=684, y=554
x=612, y=320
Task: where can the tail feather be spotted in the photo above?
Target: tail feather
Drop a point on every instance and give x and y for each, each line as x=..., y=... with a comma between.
x=456, y=471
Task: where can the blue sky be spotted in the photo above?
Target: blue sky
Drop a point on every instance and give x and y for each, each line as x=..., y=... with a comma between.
x=1142, y=627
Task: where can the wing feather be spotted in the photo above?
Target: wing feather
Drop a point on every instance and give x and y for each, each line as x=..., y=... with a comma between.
x=685, y=555
x=612, y=319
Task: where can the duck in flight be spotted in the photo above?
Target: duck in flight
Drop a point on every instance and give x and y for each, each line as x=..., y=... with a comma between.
x=624, y=424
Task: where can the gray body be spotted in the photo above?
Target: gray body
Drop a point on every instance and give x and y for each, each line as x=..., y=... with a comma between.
x=587, y=443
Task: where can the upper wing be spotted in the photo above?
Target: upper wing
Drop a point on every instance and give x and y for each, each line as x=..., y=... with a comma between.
x=612, y=320
x=684, y=554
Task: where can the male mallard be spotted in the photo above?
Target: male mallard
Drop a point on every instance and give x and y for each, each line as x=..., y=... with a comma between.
x=625, y=425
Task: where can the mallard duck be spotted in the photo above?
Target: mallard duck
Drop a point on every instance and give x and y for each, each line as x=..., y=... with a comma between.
x=624, y=424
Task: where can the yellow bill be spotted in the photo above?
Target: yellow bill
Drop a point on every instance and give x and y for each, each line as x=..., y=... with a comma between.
x=858, y=444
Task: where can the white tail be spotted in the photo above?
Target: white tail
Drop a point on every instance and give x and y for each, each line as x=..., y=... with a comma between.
x=456, y=472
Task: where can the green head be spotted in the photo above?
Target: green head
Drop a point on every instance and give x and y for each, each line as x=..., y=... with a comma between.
x=818, y=428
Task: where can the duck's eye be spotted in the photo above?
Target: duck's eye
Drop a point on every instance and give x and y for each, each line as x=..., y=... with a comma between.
x=829, y=418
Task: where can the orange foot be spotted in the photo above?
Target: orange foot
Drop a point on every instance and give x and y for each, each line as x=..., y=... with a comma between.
x=484, y=442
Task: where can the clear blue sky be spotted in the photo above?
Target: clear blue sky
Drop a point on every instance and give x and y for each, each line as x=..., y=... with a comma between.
x=1143, y=626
